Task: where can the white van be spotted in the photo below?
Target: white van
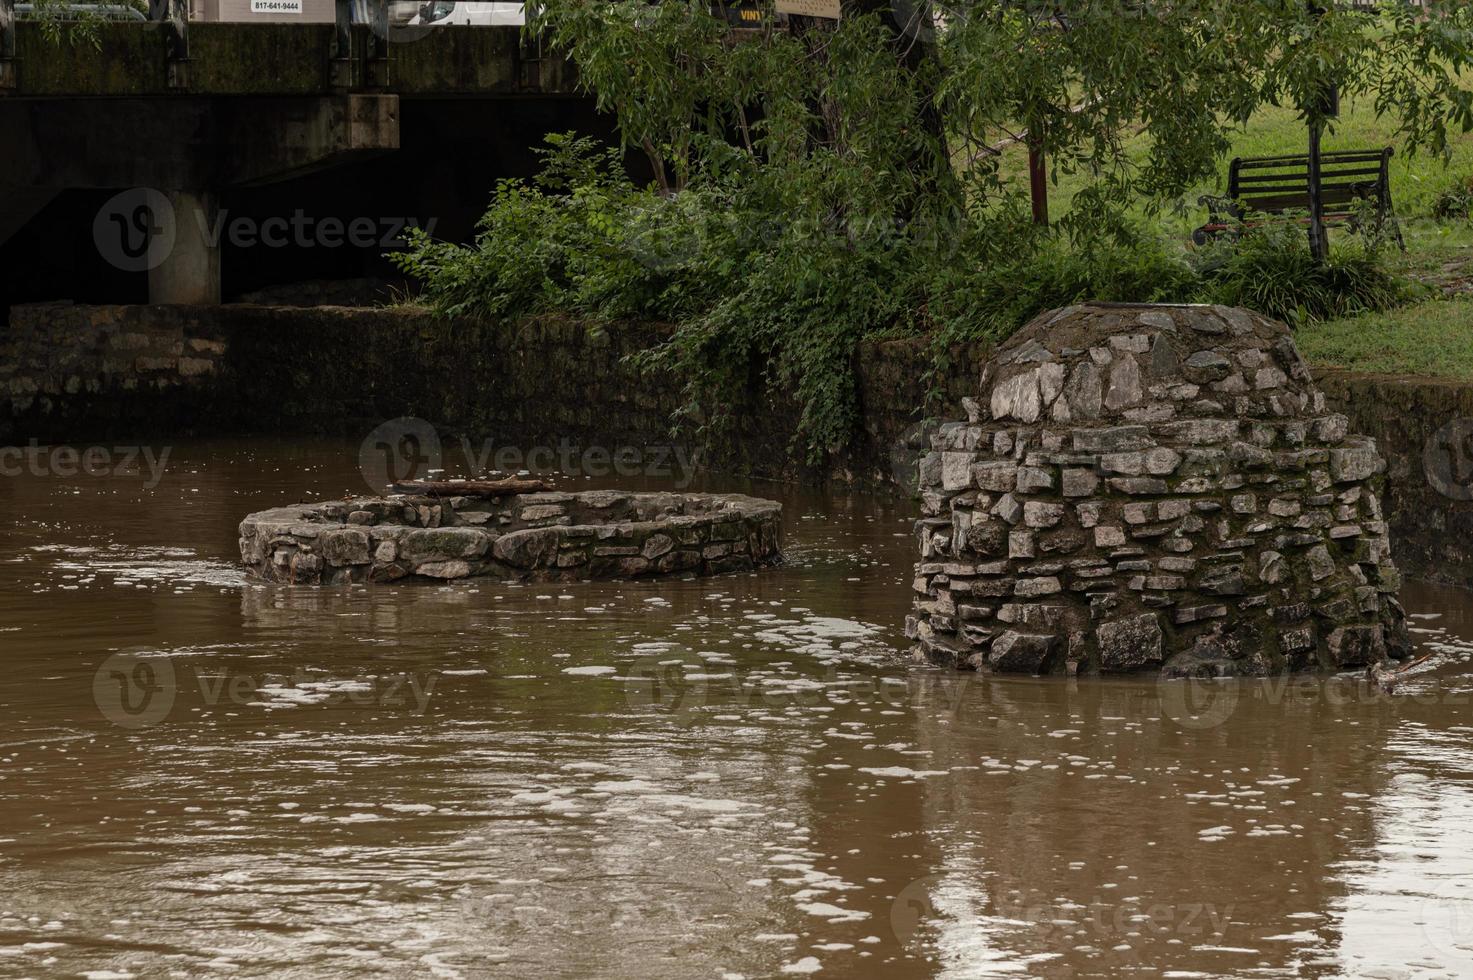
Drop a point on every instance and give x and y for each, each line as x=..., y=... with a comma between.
x=455, y=13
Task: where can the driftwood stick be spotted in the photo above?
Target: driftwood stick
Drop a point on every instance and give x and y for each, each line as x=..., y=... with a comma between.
x=1387, y=679
x=469, y=488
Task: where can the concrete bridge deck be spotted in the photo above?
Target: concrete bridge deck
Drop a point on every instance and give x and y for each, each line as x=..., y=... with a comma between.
x=194, y=110
x=134, y=60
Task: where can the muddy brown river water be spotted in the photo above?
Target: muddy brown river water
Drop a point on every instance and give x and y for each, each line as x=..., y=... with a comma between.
x=732, y=777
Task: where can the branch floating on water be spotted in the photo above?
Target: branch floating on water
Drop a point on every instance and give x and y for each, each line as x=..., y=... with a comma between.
x=470, y=488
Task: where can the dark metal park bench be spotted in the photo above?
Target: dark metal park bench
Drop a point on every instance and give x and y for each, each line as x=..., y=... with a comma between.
x=1279, y=185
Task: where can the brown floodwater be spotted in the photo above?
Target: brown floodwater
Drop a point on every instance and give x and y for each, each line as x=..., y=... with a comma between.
x=740, y=776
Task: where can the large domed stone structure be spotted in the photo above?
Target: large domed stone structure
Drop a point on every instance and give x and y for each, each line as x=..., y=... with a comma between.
x=1153, y=488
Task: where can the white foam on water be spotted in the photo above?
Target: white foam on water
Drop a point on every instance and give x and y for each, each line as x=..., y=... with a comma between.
x=808, y=964
x=146, y=567
x=900, y=772
x=833, y=913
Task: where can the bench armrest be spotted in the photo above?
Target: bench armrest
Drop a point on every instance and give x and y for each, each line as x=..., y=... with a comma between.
x=1220, y=205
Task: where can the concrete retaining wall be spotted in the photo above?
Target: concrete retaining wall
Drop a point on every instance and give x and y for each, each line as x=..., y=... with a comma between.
x=1424, y=428
x=72, y=373
x=77, y=373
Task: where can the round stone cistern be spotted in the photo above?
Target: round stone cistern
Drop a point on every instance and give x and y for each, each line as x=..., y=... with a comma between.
x=538, y=536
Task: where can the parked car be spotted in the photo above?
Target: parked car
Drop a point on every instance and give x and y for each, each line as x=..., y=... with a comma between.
x=477, y=14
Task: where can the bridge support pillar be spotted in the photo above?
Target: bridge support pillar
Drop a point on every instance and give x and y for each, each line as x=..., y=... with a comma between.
x=7, y=46
x=190, y=270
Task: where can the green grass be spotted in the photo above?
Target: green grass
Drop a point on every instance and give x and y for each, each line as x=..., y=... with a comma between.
x=1432, y=246
x=1416, y=181
x=1431, y=337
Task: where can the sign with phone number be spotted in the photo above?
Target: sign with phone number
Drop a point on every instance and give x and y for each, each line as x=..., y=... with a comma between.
x=276, y=6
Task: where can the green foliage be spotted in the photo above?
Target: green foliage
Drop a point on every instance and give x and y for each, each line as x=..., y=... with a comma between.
x=798, y=308
x=990, y=299
x=69, y=23
x=745, y=287
x=1270, y=269
x=817, y=183
x=1456, y=202
x=1266, y=268
x=783, y=306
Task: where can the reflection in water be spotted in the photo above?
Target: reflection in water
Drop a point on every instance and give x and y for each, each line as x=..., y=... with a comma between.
x=732, y=776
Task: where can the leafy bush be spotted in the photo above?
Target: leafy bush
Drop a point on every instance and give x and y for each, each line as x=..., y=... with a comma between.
x=766, y=293
x=1270, y=269
x=1456, y=202
x=819, y=182
x=64, y=23
x=747, y=283
x=991, y=298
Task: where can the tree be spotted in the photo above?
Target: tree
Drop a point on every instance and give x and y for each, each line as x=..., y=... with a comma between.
x=816, y=184
x=72, y=23
x=876, y=95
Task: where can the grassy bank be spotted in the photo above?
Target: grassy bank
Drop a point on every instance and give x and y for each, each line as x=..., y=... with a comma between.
x=1416, y=181
x=1431, y=336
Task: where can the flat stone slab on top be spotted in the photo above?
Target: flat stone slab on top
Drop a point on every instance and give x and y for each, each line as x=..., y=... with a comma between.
x=552, y=536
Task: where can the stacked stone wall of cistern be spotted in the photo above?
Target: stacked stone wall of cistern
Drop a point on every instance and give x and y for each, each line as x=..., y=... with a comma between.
x=1152, y=488
x=529, y=537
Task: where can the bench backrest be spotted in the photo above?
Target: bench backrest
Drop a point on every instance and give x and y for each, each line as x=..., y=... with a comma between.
x=1272, y=184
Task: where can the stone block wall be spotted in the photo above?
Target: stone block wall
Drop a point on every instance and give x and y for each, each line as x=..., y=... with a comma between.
x=548, y=536
x=1153, y=488
x=73, y=369
x=81, y=373
x=332, y=370
x=1424, y=428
